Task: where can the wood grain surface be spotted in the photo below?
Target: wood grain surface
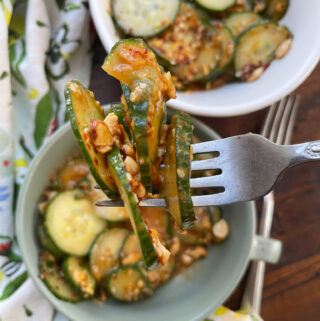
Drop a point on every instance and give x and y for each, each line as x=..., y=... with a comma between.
x=292, y=287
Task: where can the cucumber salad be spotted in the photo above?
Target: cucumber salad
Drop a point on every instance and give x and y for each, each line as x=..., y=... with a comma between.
x=132, y=152
x=207, y=43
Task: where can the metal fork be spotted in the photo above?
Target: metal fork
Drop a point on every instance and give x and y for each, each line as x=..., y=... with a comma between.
x=278, y=127
x=249, y=167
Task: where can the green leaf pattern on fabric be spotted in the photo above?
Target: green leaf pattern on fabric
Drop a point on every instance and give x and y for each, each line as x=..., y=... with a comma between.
x=13, y=285
x=42, y=119
x=28, y=312
x=4, y=74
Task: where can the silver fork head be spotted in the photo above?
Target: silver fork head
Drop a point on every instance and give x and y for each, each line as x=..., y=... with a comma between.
x=229, y=182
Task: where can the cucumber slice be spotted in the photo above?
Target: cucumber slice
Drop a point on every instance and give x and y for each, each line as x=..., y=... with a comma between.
x=177, y=171
x=144, y=18
x=139, y=115
x=131, y=251
x=177, y=44
x=70, y=223
x=46, y=242
x=216, y=5
x=239, y=21
x=257, y=47
x=81, y=108
x=120, y=111
x=162, y=273
x=276, y=9
x=205, y=65
x=110, y=214
x=79, y=277
x=113, y=214
x=148, y=88
x=130, y=201
x=128, y=284
x=72, y=173
x=51, y=275
x=104, y=254
x=227, y=47
x=190, y=45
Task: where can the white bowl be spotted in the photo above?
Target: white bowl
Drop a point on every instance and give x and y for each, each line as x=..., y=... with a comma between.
x=281, y=78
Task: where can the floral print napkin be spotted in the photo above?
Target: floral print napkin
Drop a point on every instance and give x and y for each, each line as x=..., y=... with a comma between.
x=43, y=44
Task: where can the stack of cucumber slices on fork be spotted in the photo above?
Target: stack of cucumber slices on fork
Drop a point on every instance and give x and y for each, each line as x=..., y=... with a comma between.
x=132, y=154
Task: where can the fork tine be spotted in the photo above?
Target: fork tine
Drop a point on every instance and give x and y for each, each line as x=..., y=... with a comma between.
x=207, y=181
x=291, y=122
x=205, y=164
x=279, y=139
x=277, y=119
x=199, y=200
x=268, y=122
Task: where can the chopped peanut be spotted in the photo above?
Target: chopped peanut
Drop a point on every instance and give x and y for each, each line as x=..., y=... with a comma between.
x=186, y=259
x=131, y=165
x=283, y=48
x=100, y=136
x=220, y=230
x=196, y=253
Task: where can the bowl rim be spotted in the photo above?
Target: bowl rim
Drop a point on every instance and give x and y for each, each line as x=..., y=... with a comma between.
x=108, y=39
x=19, y=224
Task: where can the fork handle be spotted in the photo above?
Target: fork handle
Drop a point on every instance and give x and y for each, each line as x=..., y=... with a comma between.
x=304, y=152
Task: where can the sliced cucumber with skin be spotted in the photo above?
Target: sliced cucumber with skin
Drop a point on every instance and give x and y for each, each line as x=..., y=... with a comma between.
x=257, y=47
x=189, y=45
x=276, y=9
x=177, y=44
x=139, y=115
x=147, y=89
x=176, y=188
x=113, y=214
x=70, y=223
x=128, y=284
x=46, y=242
x=144, y=18
x=104, y=254
x=239, y=21
x=227, y=45
x=205, y=65
x=51, y=275
x=81, y=109
x=130, y=201
x=216, y=5
x=79, y=277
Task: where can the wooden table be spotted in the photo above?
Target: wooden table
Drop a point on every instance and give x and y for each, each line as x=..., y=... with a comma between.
x=292, y=287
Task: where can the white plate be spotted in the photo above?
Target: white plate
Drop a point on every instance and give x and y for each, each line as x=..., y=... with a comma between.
x=281, y=78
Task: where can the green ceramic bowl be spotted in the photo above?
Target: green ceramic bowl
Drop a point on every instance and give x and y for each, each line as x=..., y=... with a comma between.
x=188, y=297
